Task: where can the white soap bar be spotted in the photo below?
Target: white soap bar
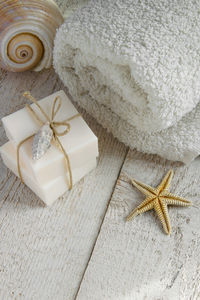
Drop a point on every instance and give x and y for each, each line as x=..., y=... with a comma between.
x=49, y=191
x=53, y=164
x=80, y=143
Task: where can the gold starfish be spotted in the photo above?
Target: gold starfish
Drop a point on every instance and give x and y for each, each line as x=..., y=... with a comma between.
x=158, y=198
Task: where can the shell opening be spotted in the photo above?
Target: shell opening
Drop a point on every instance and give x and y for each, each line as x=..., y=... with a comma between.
x=25, y=48
x=27, y=31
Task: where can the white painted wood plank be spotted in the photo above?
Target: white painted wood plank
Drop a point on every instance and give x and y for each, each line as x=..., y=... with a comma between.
x=136, y=260
x=44, y=251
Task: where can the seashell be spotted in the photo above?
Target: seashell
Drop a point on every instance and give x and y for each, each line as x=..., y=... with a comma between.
x=41, y=141
x=27, y=31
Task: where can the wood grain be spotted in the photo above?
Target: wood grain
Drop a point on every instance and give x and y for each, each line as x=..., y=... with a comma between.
x=70, y=250
x=136, y=260
x=44, y=251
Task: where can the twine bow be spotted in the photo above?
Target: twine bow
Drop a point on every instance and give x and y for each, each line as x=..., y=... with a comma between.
x=54, y=125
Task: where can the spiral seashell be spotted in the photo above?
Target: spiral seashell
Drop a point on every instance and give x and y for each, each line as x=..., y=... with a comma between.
x=27, y=31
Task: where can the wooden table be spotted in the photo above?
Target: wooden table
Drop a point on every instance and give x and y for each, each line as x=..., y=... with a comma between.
x=81, y=247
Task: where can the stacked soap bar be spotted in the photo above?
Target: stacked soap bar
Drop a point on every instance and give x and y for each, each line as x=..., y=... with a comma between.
x=47, y=177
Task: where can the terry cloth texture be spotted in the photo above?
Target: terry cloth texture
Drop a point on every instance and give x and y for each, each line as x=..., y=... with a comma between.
x=135, y=66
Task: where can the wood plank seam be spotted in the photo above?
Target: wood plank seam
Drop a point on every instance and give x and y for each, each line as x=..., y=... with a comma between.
x=107, y=206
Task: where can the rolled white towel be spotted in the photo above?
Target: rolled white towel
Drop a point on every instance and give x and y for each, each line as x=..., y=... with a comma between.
x=178, y=143
x=138, y=61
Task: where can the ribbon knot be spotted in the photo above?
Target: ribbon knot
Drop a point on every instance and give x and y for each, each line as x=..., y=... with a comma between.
x=54, y=125
x=50, y=120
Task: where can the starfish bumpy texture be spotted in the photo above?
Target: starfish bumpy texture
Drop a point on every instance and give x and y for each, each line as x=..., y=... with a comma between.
x=158, y=199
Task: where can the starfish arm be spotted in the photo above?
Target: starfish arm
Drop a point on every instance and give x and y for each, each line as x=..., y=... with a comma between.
x=175, y=200
x=143, y=207
x=162, y=212
x=165, y=183
x=145, y=189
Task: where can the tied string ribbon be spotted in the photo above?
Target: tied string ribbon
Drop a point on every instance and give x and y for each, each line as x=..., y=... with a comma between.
x=54, y=125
